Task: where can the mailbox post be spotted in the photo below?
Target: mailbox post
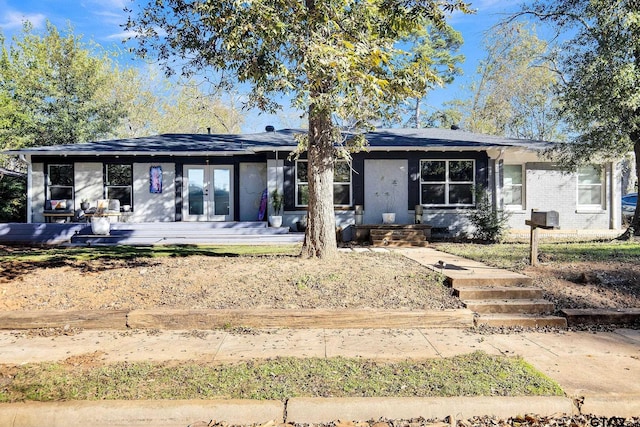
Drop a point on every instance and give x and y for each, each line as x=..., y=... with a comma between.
x=547, y=220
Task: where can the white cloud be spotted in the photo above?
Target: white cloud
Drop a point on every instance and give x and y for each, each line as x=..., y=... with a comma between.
x=12, y=20
x=123, y=35
x=113, y=4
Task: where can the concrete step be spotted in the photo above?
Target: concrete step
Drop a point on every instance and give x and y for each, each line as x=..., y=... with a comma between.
x=521, y=306
x=398, y=243
x=497, y=292
x=398, y=234
x=471, y=277
x=522, y=320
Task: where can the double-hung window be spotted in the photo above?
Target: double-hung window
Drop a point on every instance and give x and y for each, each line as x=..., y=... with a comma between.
x=513, y=188
x=590, y=188
x=60, y=182
x=341, y=184
x=447, y=182
x=119, y=183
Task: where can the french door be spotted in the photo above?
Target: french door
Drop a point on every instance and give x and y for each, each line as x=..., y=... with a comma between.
x=208, y=193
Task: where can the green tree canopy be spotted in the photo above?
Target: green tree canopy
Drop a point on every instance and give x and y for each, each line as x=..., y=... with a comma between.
x=157, y=105
x=339, y=60
x=50, y=86
x=600, y=68
x=439, y=45
x=513, y=91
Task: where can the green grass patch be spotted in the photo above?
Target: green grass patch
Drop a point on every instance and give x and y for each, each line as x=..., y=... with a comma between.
x=475, y=374
x=516, y=255
x=57, y=255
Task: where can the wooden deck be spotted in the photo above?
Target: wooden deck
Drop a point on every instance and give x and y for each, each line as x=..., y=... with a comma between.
x=157, y=233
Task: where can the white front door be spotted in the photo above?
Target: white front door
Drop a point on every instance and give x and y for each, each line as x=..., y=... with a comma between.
x=208, y=193
x=385, y=190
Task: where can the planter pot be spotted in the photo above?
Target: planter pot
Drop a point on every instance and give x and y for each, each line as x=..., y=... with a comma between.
x=275, y=220
x=84, y=206
x=100, y=225
x=388, y=218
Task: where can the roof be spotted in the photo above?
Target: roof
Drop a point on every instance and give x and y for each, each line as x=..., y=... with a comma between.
x=230, y=144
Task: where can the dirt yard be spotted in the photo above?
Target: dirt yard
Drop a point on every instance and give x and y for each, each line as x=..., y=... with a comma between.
x=588, y=284
x=365, y=280
x=194, y=282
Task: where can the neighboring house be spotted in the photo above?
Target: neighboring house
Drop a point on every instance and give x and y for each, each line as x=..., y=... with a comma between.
x=202, y=177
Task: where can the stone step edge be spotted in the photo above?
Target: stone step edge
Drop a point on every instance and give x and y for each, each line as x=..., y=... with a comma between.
x=507, y=306
x=498, y=292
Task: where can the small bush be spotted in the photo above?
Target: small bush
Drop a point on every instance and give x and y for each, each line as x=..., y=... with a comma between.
x=490, y=225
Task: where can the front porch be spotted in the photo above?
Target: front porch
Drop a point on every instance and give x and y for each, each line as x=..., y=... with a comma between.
x=150, y=233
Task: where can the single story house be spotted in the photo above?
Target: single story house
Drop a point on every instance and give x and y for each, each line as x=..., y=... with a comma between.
x=208, y=177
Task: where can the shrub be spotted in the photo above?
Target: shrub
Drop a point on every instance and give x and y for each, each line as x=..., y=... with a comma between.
x=490, y=225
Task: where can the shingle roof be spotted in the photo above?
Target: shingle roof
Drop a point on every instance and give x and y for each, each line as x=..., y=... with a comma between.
x=192, y=144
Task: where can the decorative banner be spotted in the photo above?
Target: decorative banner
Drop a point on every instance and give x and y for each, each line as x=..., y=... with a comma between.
x=155, y=179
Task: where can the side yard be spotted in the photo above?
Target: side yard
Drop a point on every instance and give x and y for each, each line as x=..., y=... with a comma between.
x=573, y=275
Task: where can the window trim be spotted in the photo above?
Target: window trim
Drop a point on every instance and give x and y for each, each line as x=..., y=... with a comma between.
x=522, y=185
x=447, y=182
x=107, y=186
x=48, y=184
x=601, y=184
x=299, y=183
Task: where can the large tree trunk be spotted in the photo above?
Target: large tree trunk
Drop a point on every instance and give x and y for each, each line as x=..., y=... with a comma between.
x=320, y=235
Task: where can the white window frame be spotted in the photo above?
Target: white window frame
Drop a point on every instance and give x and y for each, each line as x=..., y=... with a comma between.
x=447, y=183
x=300, y=183
x=522, y=186
x=600, y=185
x=50, y=185
x=108, y=186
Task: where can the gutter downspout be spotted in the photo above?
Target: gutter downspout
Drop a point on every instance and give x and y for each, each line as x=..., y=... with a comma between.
x=27, y=159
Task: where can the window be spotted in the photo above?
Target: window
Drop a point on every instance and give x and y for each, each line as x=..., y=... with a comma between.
x=447, y=182
x=590, y=187
x=341, y=184
x=513, y=187
x=118, y=183
x=60, y=182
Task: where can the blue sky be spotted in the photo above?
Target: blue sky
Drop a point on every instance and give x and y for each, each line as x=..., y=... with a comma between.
x=101, y=21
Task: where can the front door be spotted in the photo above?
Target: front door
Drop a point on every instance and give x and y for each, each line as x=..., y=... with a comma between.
x=208, y=193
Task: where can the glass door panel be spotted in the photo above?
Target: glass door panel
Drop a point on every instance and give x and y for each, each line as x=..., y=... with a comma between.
x=208, y=193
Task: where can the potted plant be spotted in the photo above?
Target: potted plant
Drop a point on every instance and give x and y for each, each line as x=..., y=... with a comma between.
x=100, y=223
x=277, y=200
x=84, y=204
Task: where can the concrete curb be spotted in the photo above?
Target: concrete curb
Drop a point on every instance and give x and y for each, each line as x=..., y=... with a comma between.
x=182, y=413
x=166, y=413
x=157, y=413
x=612, y=406
x=313, y=410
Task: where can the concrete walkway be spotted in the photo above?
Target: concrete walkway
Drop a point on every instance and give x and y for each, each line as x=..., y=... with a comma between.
x=599, y=372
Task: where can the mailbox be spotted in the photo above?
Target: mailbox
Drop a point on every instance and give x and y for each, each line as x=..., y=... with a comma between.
x=547, y=219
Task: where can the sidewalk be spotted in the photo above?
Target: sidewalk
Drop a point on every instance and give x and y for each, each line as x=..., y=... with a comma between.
x=601, y=370
x=598, y=372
